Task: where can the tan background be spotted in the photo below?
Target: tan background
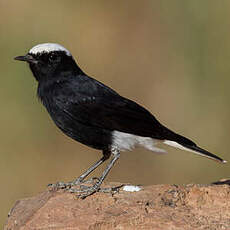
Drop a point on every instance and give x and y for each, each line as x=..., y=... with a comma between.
x=170, y=56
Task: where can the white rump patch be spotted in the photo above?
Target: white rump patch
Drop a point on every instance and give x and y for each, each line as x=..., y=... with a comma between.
x=48, y=47
x=126, y=141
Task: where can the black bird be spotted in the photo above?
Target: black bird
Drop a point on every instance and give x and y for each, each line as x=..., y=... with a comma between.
x=94, y=114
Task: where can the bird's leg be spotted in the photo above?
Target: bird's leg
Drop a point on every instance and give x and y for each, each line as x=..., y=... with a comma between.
x=91, y=169
x=79, y=180
x=87, y=191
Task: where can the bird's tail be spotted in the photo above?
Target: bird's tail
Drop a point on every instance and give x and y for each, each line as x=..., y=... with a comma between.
x=185, y=144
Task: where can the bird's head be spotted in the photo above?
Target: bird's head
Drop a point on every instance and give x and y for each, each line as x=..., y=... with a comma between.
x=49, y=60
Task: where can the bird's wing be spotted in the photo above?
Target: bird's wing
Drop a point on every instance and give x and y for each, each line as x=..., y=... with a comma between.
x=116, y=113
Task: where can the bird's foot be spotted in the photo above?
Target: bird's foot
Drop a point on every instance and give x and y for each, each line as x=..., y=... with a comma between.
x=60, y=185
x=111, y=190
x=68, y=186
x=86, y=191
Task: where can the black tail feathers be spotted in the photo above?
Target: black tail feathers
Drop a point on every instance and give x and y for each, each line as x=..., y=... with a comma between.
x=184, y=143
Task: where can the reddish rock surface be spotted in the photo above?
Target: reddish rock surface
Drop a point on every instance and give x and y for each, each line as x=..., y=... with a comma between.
x=154, y=207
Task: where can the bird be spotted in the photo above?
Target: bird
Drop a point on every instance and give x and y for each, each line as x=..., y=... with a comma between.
x=94, y=114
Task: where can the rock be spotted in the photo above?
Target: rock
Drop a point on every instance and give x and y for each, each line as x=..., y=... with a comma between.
x=153, y=207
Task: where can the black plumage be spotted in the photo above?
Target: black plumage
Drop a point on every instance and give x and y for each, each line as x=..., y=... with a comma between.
x=89, y=111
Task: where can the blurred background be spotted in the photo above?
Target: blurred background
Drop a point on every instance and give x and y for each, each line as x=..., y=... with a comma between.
x=172, y=57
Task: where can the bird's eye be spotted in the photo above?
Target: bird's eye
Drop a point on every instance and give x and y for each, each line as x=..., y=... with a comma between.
x=52, y=57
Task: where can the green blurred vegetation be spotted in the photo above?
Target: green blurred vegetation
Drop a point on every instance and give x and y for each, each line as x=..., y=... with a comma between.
x=170, y=56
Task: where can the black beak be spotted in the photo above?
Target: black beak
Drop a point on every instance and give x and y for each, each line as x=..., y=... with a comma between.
x=27, y=58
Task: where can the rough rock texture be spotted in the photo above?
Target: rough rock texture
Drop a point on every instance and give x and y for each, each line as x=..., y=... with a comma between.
x=154, y=207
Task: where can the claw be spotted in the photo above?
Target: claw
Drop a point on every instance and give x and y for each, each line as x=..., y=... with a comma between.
x=111, y=190
x=60, y=185
x=84, y=191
